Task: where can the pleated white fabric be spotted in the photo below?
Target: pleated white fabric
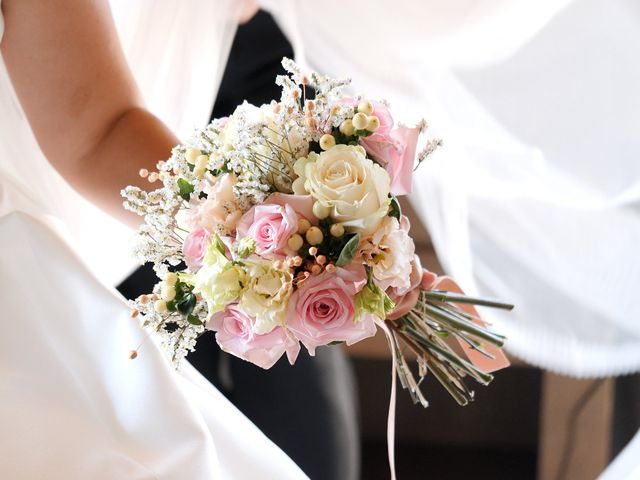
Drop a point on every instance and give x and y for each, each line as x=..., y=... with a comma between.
x=72, y=403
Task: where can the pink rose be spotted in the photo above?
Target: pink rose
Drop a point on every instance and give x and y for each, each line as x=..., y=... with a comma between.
x=270, y=225
x=396, y=151
x=235, y=335
x=393, y=148
x=322, y=310
x=195, y=246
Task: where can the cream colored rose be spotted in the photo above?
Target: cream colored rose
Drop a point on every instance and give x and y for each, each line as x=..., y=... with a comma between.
x=266, y=295
x=354, y=188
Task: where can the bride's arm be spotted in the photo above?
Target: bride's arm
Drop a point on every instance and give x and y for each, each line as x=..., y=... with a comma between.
x=71, y=77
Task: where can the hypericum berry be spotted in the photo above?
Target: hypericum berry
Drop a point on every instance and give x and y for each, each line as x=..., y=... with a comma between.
x=303, y=226
x=295, y=242
x=360, y=121
x=327, y=141
x=346, y=128
x=171, y=278
x=320, y=210
x=191, y=154
x=160, y=306
x=314, y=236
x=374, y=123
x=168, y=293
x=336, y=230
x=365, y=107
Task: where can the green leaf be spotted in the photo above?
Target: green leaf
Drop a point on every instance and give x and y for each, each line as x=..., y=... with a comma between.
x=186, y=189
x=348, y=251
x=187, y=304
x=193, y=320
x=394, y=208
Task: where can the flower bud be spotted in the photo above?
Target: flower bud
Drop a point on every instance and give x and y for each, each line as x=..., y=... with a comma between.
x=245, y=247
x=144, y=173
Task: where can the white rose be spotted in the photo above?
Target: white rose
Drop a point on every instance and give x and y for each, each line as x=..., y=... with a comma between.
x=355, y=189
x=266, y=295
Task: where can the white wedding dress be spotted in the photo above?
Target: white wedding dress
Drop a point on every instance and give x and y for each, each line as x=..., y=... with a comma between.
x=72, y=403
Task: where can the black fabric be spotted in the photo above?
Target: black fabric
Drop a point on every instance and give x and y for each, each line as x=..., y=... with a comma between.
x=309, y=409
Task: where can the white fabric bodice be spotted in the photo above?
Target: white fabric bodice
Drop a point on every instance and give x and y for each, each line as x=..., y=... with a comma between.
x=72, y=403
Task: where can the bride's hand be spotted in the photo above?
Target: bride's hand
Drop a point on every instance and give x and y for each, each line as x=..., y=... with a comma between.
x=73, y=82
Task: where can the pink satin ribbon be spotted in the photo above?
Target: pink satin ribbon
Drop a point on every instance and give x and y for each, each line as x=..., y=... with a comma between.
x=391, y=417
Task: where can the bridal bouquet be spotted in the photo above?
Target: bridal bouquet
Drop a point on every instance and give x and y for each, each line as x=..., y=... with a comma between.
x=280, y=226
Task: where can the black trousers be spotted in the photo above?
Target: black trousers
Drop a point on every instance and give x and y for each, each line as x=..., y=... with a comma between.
x=309, y=409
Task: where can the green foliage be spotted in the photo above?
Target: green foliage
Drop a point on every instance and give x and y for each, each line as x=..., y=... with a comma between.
x=394, y=208
x=185, y=189
x=348, y=251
